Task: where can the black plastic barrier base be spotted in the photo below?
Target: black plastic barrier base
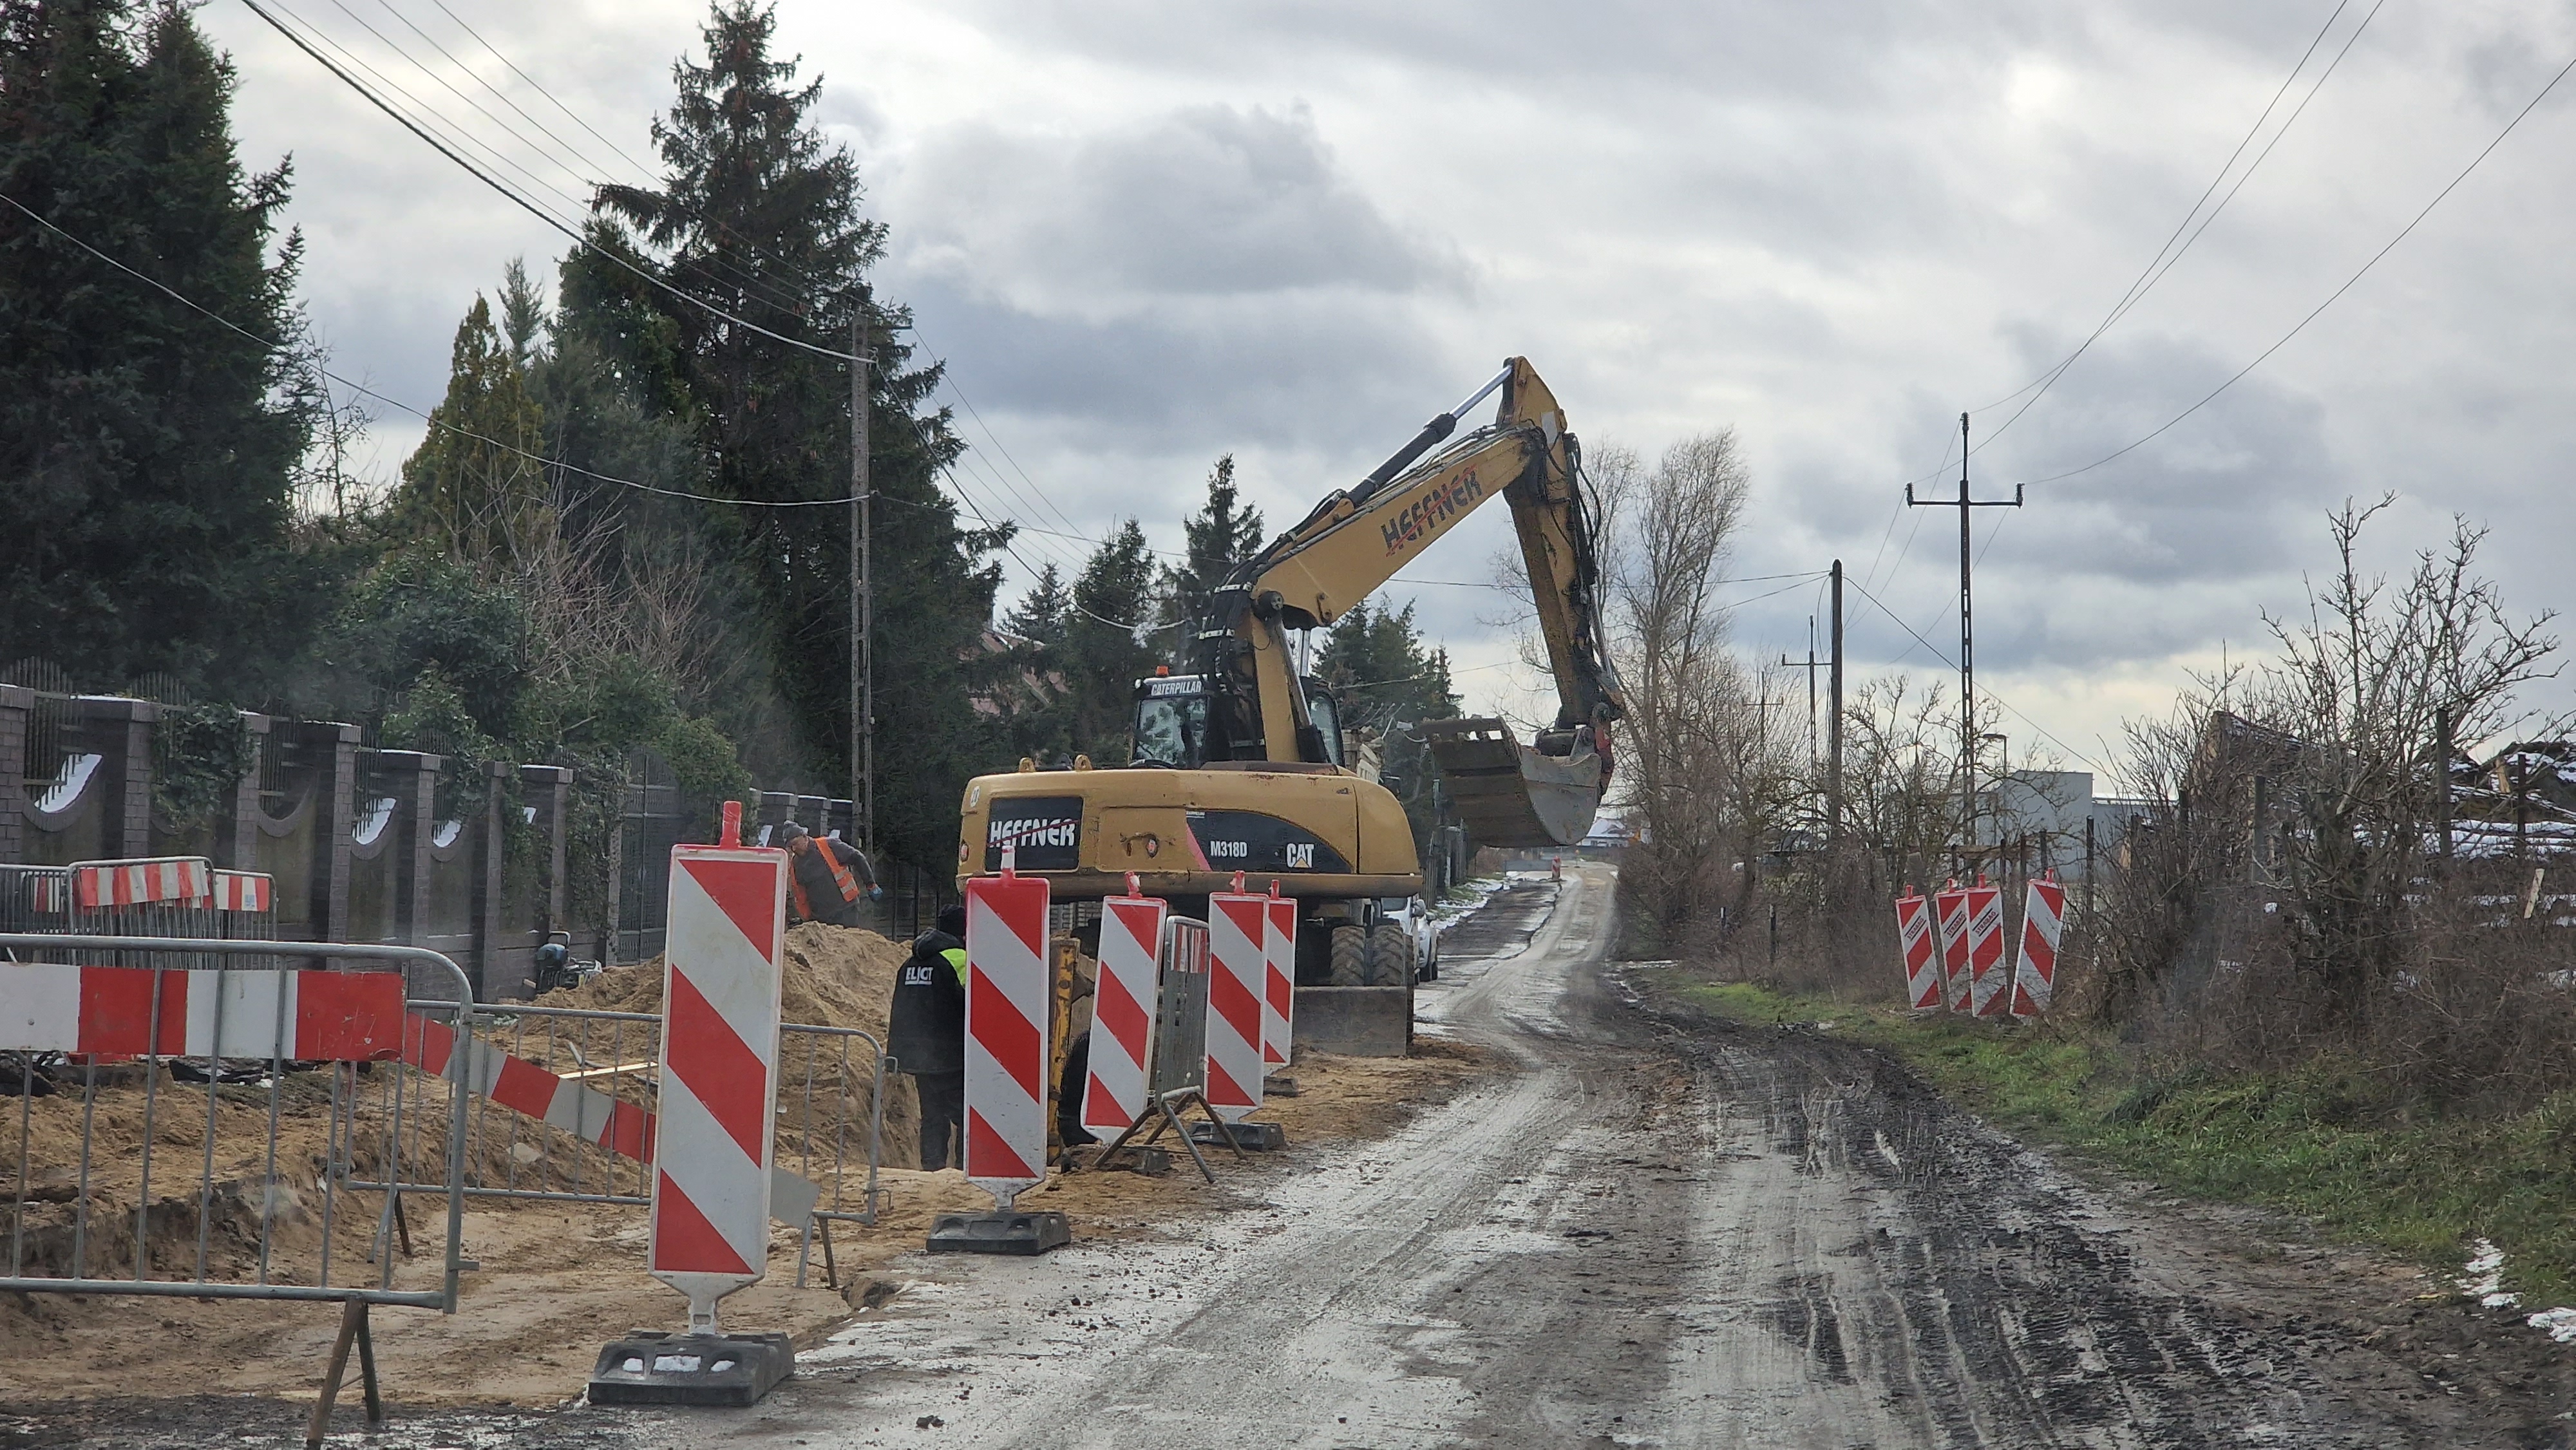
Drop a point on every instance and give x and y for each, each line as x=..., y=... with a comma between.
x=1013, y=1232
x=1251, y=1137
x=651, y=1368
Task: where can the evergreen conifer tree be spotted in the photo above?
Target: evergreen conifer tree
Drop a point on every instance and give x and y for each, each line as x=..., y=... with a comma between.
x=1041, y=614
x=147, y=450
x=760, y=217
x=475, y=488
x=1105, y=640
x=1222, y=534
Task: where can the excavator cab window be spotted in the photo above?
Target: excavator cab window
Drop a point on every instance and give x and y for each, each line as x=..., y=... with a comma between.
x=1171, y=722
x=1326, y=713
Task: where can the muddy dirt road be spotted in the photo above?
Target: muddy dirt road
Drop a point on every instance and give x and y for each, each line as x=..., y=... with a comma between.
x=1646, y=1230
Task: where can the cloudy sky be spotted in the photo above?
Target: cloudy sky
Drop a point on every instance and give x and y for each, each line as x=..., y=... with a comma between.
x=1143, y=235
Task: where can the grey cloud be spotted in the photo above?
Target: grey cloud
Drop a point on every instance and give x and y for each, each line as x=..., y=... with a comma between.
x=1202, y=200
x=1223, y=372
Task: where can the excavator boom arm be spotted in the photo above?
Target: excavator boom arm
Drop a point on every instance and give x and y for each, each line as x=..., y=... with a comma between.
x=1356, y=540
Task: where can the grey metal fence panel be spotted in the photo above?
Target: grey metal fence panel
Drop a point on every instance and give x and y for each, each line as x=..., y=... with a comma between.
x=1180, y=1008
x=35, y=898
x=259, y=1117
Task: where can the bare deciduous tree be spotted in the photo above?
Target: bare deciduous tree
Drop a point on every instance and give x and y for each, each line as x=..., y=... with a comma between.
x=1709, y=771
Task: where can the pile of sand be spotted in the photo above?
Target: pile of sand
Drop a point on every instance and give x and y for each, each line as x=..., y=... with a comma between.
x=833, y=977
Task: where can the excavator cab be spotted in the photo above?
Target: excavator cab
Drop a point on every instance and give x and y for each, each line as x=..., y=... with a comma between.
x=1183, y=722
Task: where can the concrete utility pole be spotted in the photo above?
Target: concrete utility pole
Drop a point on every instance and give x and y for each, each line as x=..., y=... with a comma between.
x=1834, y=721
x=1967, y=645
x=863, y=683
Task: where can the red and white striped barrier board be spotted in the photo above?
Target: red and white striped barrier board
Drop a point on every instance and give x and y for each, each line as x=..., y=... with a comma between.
x=1986, y=966
x=1007, y=1022
x=110, y=1012
x=720, y=996
x=2043, y=920
x=1122, y=1012
x=1914, y=947
x=1238, y=964
x=110, y=884
x=1279, y=983
x=623, y=1128
x=242, y=891
x=1950, y=919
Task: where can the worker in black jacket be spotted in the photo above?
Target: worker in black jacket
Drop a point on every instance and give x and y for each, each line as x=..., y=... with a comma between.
x=824, y=886
x=926, y=1035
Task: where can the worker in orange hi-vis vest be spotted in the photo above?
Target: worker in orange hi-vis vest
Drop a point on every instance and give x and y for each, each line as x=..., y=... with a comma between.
x=824, y=884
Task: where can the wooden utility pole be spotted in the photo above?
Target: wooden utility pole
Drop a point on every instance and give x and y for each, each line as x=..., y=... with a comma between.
x=1967, y=645
x=863, y=684
x=2442, y=748
x=1834, y=721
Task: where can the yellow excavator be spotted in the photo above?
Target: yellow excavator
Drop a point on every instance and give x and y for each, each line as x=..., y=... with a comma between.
x=1238, y=762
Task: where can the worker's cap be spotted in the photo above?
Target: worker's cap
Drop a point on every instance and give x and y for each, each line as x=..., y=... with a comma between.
x=790, y=831
x=952, y=920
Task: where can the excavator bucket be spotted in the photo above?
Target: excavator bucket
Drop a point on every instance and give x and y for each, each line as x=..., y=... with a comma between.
x=1511, y=795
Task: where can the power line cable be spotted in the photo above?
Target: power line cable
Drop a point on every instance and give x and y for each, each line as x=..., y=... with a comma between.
x=420, y=130
x=708, y=266
x=620, y=151
x=2162, y=264
x=2146, y=277
x=1070, y=602
x=268, y=345
x=479, y=174
x=1035, y=499
x=2331, y=297
x=713, y=265
x=1989, y=693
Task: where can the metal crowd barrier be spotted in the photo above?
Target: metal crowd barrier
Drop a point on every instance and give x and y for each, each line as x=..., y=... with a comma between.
x=245, y=907
x=35, y=898
x=156, y=896
x=275, y=1049
x=82, y=1200
x=562, y=1102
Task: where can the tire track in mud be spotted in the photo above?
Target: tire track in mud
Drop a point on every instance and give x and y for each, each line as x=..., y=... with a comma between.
x=1884, y=1270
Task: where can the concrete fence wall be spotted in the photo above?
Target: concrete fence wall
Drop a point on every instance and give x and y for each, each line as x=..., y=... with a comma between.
x=390, y=846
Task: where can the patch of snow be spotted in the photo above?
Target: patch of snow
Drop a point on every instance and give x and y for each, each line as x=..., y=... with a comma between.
x=2560, y=1323
x=2483, y=1277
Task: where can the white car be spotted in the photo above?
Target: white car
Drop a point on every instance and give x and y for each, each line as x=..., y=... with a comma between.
x=1408, y=915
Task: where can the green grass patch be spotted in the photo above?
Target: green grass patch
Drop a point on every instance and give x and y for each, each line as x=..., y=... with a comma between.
x=2330, y=1141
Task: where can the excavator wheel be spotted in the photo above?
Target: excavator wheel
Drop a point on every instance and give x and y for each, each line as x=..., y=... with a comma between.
x=1350, y=956
x=1390, y=955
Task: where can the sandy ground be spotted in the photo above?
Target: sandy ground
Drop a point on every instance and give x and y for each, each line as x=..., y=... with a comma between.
x=555, y=1281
